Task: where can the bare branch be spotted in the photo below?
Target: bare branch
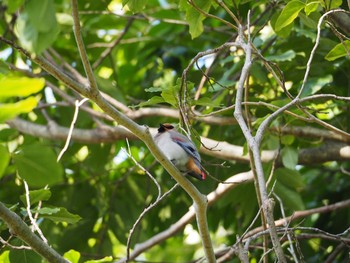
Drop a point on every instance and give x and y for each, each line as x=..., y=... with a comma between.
x=75, y=116
x=81, y=47
x=35, y=226
x=22, y=231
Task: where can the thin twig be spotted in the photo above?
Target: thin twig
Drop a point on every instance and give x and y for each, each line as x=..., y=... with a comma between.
x=75, y=116
x=35, y=226
x=6, y=243
x=291, y=247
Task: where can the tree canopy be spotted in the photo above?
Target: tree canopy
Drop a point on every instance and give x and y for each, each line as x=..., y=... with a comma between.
x=261, y=87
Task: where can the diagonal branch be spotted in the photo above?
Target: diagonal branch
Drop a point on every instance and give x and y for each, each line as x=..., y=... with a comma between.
x=81, y=47
x=22, y=231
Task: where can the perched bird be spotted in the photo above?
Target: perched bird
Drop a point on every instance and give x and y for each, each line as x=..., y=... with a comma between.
x=179, y=150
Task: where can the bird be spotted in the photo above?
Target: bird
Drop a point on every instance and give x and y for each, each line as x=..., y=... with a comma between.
x=180, y=150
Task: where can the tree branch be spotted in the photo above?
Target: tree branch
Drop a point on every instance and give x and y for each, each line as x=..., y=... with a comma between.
x=22, y=231
x=329, y=151
x=254, y=146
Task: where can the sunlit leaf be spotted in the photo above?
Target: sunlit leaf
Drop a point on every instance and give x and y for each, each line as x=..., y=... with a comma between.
x=289, y=14
x=338, y=51
x=19, y=86
x=11, y=110
x=311, y=6
x=72, y=256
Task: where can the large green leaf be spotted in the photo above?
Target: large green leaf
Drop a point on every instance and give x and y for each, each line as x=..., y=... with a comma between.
x=193, y=16
x=13, y=5
x=37, y=28
x=37, y=164
x=11, y=110
x=13, y=86
x=289, y=14
x=290, y=197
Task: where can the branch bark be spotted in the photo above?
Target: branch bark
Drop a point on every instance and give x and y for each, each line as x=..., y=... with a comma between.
x=22, y=231
x=329, y=151
x=254, y=146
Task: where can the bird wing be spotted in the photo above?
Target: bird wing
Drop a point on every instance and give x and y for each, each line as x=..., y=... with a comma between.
x=187, y=145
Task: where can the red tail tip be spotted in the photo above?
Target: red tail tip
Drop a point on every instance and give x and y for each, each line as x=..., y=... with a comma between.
x=203, y=175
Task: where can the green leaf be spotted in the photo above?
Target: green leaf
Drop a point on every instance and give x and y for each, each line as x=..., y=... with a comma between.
x=5, y=257
x=316, y=84
x=72, y=256
x=12, y=86
x=13, y=5
x=4, y=159
x=286, y=56
x=332, y=4
x=48, y=210
x=59, y=214
x=7, y=135
x=311, y=6
x=23, y=255
x=193, y=16
x=289, y=157
x=37, y=16
x=34, y=34
x=10, y=110
x=135, y=5
x=152, y=101
x=36, y=196
x=338, y=51
x=290, y=197
x=290, y=178
x=105, y=259
x=37, y=164
x=205, y=101
x=170, y=94
x=289, y=14
x=287, y=139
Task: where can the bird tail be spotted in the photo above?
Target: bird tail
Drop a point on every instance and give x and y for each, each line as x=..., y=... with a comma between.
x=195, y=170
x=198, y=176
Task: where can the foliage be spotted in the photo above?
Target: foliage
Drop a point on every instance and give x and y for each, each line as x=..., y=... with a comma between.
x=142, y=56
